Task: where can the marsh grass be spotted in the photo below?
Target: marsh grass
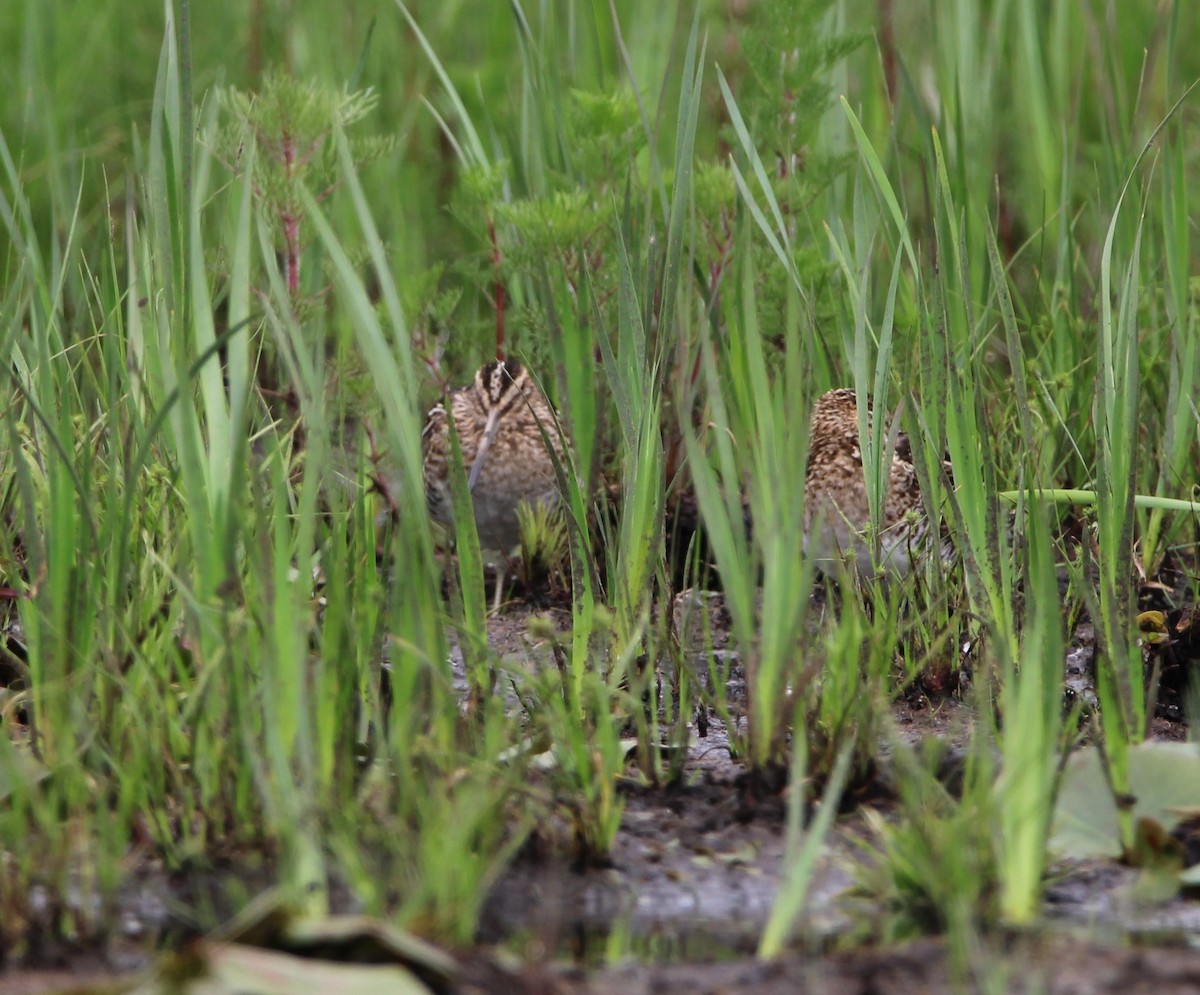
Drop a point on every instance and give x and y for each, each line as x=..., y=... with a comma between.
x=226, y=648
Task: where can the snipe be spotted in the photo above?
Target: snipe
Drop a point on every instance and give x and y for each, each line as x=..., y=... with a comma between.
x=836, y=512
x=503, y=422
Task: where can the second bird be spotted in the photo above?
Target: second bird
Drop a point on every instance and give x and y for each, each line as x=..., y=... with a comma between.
x=836, y=511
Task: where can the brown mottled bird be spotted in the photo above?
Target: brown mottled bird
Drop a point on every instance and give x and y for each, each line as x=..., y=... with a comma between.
x=500, y=420
x=836, y=512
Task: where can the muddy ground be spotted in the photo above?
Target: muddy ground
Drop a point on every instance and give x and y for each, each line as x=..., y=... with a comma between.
x=695, y=870
x=692, y=879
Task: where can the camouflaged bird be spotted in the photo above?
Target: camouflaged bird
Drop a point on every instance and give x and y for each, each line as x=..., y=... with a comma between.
x=503, y=422
x=836, y=512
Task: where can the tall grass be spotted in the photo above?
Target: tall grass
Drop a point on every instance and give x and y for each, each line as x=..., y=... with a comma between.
x=1025, y=411
x=196, y=588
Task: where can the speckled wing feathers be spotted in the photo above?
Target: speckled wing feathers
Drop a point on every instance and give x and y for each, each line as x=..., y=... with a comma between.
x=836, y=512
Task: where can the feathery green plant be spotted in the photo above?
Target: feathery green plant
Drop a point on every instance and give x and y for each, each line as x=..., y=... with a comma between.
x=290, y=126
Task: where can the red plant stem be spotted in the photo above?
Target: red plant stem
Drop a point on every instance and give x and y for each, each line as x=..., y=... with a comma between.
x=887, y=48
x=695, y=370
x=254, y=47
x=291, y=237
x=499, y=298
x=291, y=222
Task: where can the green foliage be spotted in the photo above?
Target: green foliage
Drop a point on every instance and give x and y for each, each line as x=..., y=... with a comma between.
x=788, y=54
x=227, y=646
x=287, y=130
x=934, y=870
x=545, y=546
x=565, y=226
x=293, y=122
x=604, y=137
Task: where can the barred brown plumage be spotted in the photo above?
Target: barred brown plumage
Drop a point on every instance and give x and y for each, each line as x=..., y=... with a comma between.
x=836, y=511
x=500, y=420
